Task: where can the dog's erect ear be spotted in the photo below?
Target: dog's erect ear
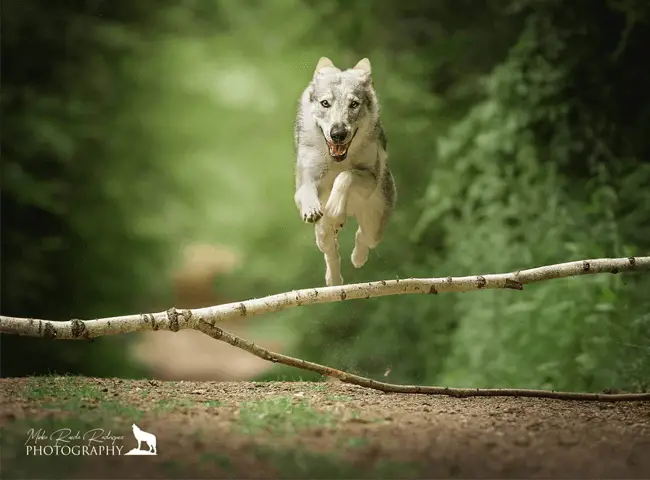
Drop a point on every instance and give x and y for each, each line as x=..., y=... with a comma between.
x=324, y=65
x=364, y=66
x=324, y=62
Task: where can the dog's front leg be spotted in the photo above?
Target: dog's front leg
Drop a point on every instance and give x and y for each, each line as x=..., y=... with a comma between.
x=308, y=174
x=306, y=198
x=357, y=181
x=327, y=242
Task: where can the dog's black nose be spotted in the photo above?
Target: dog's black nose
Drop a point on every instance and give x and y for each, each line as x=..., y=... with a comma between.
x=338, y=133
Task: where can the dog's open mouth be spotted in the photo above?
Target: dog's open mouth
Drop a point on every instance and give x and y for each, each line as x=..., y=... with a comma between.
x=339, y=151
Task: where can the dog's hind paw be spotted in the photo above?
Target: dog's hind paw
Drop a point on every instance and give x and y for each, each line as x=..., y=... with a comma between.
x=359, y=257
x=333, y=280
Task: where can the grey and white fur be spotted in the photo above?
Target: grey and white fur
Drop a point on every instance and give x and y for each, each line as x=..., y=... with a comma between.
x=341, y=165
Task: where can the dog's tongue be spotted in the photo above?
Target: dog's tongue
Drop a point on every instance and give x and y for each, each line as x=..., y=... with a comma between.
x=336, y=149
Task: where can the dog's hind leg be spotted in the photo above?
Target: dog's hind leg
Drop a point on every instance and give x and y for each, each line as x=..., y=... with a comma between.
x=372, y=223
x=372, y=214
x=327, y=241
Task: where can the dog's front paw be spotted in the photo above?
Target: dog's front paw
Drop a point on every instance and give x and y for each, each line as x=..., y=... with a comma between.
x=312, y=214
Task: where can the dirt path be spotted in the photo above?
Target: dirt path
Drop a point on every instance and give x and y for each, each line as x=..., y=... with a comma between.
x=192, y=355
x=320, y=430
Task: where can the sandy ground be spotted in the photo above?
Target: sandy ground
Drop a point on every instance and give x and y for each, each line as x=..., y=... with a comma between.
x=324, y=430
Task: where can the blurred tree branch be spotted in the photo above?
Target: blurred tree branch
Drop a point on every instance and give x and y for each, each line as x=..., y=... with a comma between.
x=204, y=319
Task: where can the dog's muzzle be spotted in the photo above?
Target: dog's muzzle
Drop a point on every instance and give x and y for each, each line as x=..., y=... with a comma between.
x=339, y=151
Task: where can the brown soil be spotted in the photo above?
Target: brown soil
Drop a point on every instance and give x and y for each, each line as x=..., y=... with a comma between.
x=208, y=432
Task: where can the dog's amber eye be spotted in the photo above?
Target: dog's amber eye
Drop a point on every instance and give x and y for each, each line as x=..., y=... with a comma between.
x=354, y=104
x=325, y=104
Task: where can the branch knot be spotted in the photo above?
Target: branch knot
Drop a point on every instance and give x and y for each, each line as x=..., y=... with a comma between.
x=172, y=316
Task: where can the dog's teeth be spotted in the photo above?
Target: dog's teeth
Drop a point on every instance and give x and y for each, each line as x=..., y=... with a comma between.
x=338, y=149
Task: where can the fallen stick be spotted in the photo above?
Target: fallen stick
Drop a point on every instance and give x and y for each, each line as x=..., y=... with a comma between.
x=263, y=353
x=205, y=319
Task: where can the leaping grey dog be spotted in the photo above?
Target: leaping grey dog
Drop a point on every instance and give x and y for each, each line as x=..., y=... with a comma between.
x=341, y=165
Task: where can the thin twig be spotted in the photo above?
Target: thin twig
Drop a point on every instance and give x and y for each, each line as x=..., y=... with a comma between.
x=263, y=353
x=204, y=320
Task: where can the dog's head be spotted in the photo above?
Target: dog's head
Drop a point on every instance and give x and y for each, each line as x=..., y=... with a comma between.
x=343, y=104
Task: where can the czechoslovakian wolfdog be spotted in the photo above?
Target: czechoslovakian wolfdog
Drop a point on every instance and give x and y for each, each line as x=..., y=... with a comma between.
x=341, y=166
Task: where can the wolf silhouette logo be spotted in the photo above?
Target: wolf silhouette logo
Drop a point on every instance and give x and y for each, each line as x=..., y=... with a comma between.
x=146, y=437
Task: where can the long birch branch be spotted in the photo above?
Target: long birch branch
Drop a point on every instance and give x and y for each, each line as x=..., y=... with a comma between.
x=177, y=319
x=205, y=320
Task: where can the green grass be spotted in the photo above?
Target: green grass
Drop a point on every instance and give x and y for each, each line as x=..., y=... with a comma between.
x=144, y=393
x=172, y=404
x=357, y=441
x=280, y=416
x=284, y=373
x=74, y=394
x=338, y=398
x=58, y=386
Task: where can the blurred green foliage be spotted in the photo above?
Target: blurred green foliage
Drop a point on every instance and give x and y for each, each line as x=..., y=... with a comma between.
x=517, y=134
